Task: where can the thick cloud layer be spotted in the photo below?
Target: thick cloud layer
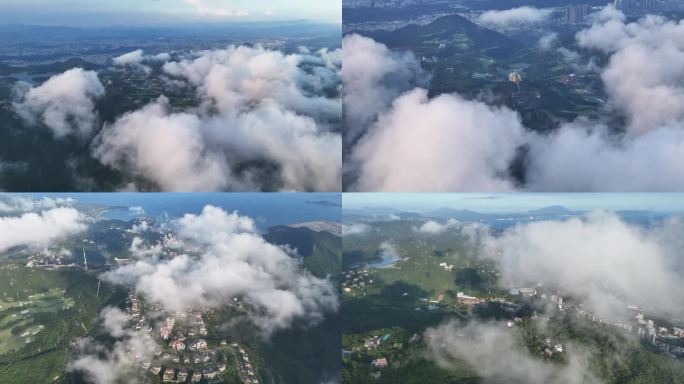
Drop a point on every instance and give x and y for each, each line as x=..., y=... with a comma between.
x=232, y=261
x=440, y=144
x=645, y=74
x=514, y=18
x=233, y=80
x=39, y=229
x=373, y=76
x=413, y=143
x=496, y=353
x=589, y=158
x=167, y=148
x=64, y=103
x=601, y=260
x=262, y=124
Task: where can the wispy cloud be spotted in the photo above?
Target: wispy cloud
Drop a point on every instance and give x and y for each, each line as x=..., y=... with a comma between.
x=219, y=8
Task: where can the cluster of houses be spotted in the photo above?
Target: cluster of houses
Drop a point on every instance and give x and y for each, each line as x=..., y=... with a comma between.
x=188, y=357
x=372, y=343
x=246, y=369
x=551, y=348
x=375, y=341
x=356, y=280
x=52, y=257
x=183, y=375
x=469, y=300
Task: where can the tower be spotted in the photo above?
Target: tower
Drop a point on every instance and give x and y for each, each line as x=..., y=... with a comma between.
x=85, y=260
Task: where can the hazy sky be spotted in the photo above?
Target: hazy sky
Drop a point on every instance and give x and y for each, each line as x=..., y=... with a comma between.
x=518, y=202
x=141, y=12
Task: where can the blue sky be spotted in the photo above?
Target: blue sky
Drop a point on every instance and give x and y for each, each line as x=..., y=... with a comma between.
x=142, y=12
x=518, y=202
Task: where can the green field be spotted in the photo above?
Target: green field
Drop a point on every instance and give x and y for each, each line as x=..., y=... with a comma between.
x=51, y=309
x=17, y=325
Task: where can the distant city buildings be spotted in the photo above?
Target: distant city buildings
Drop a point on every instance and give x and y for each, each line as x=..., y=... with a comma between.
x=638, y=6
x=577, y=13
x=382, y=3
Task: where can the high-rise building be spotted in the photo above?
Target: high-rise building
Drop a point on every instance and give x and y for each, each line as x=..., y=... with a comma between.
x=575, y=14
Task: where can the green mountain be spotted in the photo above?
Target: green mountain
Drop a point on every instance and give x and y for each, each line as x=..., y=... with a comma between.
x=321, y=250
x=446, y=37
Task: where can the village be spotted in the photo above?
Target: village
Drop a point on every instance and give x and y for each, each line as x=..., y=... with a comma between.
x=181, y=351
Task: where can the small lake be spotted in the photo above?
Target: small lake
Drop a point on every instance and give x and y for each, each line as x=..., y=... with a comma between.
x=386, y=261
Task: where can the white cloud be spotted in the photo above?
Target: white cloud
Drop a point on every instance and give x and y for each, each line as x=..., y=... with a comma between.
x=232, y=260
x=216, y=8
x=434, y=228
x=160, y=57
x=186, y=152
x=137, y=60
x=388, y=251
x=600, y=260
x=64, y=103
x=138, y=248
x=411, y=143
x=166, y=148
x=258, y=126
x=143, y=226
x=547, y=41
x=589, y=158
x=645, y=81
x=110, y=364
x=440, y=144
x=515, y=17
x=232, y=79
x=20, y=204
x=265, y=121
x=496, y=354
x=354, y=229
x=130, y=58
x=645, y=74
x=39, y=229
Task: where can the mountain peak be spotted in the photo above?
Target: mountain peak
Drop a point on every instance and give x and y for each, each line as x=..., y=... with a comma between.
x=320, y=226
